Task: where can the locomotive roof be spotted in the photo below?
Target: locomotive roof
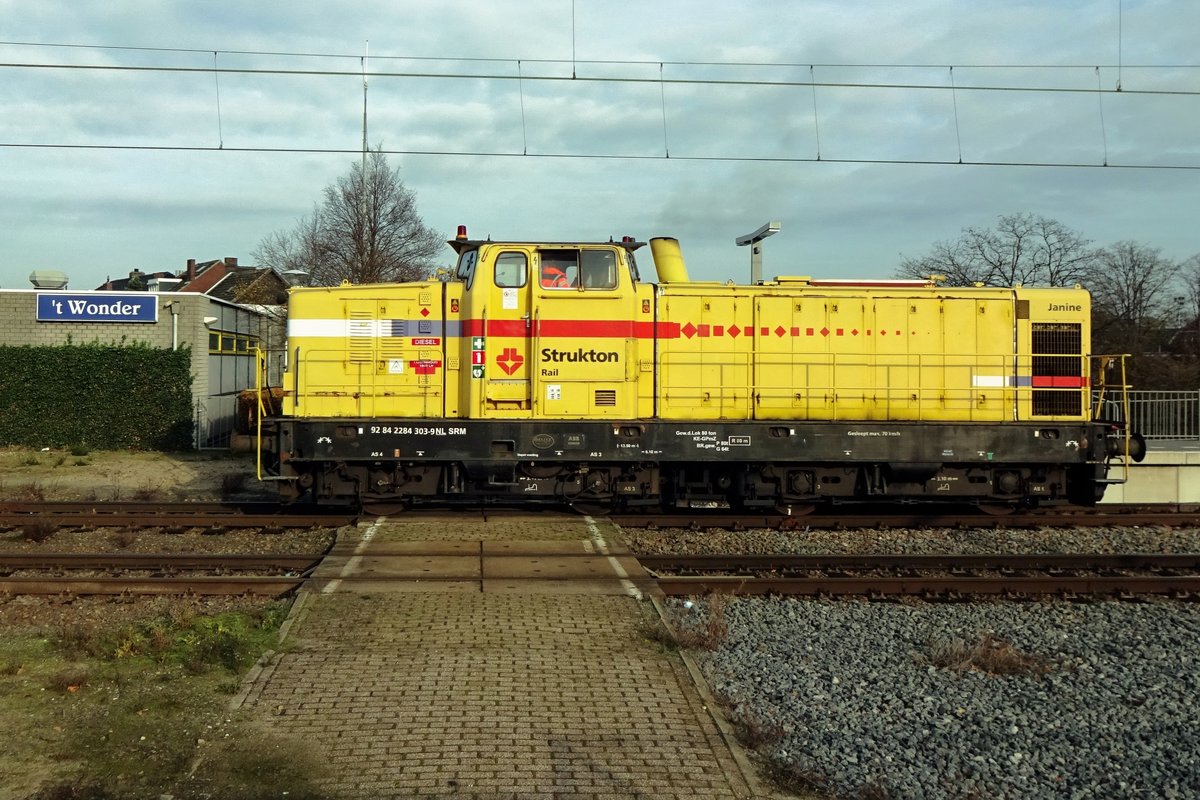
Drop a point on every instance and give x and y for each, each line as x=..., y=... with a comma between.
x=460, y=245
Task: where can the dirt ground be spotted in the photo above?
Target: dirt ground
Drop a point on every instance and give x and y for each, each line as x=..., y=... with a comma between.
x=120, y=475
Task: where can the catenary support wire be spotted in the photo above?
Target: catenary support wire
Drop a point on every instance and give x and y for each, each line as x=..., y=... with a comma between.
x=1103, y=133
x=521, y=92
x=954, y=99
x=662, y=92
x=217, y=83
x=812, y=80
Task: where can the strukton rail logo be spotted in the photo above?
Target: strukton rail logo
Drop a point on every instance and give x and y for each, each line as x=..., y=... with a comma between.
x=510, y=360
x=579, y=356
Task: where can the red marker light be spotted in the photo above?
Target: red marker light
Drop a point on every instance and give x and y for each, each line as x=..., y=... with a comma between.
x=462, y=233
x=626, y=239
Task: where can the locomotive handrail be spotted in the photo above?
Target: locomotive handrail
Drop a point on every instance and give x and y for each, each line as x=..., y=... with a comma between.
x=260, y=360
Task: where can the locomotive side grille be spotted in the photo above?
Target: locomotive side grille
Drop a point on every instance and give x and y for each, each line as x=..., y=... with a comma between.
x=1057, y=351
x=362, y=343
x=606, y=397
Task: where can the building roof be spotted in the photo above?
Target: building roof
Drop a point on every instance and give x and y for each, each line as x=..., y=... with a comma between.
x=249, y=285
x=222, y=278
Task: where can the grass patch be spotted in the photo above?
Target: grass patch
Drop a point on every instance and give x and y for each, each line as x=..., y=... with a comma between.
x=38, y=531
x=229, y=641
x=123, y=540
x=148, y=492
x=69, y=679
x=754, y=730
x=988, y=654
x=700, y=624
x=138, y=709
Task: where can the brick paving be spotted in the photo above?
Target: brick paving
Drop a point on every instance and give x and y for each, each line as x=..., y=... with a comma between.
x=461, y=691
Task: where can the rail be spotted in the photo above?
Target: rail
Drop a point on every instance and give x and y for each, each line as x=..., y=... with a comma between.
x=946, y=576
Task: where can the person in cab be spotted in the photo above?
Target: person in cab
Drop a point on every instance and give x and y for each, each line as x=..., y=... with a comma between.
x=554, y=277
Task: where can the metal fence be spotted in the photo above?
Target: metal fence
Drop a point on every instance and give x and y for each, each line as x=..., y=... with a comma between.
x=1159, y=414
x=215, y=422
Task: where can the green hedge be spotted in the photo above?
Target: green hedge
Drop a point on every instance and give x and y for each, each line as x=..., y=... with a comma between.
x=99, y=396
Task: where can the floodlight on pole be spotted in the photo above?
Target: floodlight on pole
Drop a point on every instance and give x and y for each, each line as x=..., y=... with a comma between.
x=755, y=242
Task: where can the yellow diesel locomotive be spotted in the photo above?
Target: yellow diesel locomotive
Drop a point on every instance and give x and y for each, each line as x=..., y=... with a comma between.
x=552, y=372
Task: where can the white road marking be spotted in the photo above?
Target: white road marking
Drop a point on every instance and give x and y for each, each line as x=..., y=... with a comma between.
x=602, y=546
x=354, y=561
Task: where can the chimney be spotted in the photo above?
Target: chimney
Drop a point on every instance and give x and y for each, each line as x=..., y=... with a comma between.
x=191, y=270
x=230, y=262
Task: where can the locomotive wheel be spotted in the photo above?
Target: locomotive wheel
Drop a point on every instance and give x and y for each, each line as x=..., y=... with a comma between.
x=384, y=508
x=591, y=508
x=998, y=509
x=795, y=509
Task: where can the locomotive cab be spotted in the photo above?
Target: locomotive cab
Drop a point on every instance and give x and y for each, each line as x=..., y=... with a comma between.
x=551, y=330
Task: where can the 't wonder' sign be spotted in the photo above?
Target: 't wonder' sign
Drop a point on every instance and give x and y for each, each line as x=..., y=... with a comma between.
x=99, y=307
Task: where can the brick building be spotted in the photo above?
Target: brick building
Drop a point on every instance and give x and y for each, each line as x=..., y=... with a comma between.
x=222, y=335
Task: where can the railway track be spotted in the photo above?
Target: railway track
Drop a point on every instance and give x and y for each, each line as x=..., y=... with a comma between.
x=153, y=573
x=934, y=577
x=275, y=516
x=930, y=576
x=849, y=518
x=169, y=515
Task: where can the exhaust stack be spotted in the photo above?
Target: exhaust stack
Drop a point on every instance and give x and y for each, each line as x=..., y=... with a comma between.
x=668, y=260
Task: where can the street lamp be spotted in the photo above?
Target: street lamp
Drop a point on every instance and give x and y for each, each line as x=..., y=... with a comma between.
x=755, y=242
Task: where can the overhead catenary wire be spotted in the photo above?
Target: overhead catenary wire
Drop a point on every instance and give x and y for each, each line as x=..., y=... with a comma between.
x=521, y=76
x=616, y=62
x=606, y=156
x=598, y=79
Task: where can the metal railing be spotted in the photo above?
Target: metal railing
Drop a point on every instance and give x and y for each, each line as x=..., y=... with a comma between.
x=214, y=420
x=1159, y=414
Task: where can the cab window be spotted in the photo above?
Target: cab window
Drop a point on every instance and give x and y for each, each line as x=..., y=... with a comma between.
x=511, y=270
x=559, y=269
x=466, y=267
x=598, y=269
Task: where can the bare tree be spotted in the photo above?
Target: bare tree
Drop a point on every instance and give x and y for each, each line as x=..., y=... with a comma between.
x=1189, y=271
x=1021, y=249
x=366, y=230
x=1132, y=299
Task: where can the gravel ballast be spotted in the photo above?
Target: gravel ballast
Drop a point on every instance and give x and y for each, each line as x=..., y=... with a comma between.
x=854, y=699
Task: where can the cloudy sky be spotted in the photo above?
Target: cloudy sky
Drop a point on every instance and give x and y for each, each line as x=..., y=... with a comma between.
x=698, y=120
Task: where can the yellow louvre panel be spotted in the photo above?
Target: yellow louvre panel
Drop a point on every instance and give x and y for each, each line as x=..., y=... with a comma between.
x=704, y=364
x=785, y=365
x=360, y=330
x=910, y=355
x=351, y=352
x=1055, y=348
x=991, y=390
x=904, y=332
x=948, y=367
x=507, y=390
x=852, y=389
